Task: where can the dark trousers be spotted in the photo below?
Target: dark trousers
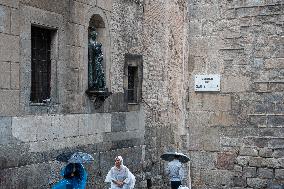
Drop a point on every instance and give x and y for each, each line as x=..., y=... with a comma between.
x=175, y=184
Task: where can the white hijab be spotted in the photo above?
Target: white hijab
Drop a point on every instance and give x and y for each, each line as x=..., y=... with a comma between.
x=120, y=159
x=131, y=176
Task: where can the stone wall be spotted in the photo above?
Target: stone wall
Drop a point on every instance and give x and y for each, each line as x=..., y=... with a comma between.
x=32, y=143
x=166, y=58
x=33, y=135
x=236, y=135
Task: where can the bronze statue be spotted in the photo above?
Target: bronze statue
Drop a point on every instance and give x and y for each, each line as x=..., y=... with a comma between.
x=96, y=73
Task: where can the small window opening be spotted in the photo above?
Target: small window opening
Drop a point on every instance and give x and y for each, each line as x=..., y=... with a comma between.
x=132, y=84
x=40, y=64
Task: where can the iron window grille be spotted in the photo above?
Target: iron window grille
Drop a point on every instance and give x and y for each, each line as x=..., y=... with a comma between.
x=132, y=84
x=40, y=64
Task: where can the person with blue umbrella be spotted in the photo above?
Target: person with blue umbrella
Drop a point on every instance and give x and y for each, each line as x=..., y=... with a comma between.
x=74, y=174
x=74, y=177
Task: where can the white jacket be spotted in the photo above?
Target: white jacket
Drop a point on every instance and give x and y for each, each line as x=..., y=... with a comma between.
x=175, y=170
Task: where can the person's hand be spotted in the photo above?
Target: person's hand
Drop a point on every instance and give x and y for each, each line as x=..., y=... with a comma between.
x=120, y=184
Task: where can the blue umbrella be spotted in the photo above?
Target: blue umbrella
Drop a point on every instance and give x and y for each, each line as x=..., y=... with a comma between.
x=81, y=157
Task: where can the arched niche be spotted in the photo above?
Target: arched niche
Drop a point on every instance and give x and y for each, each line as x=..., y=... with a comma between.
x=97, y=24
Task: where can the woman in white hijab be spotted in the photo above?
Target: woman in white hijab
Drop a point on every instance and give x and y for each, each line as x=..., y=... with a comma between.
x=119, y=176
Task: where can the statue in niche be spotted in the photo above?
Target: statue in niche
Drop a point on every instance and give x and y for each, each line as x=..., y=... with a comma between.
x=96, y=75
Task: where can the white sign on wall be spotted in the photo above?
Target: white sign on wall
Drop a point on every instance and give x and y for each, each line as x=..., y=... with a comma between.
x=210, y=82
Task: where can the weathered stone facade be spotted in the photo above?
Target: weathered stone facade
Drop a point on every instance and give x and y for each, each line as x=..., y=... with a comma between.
x=234, y=136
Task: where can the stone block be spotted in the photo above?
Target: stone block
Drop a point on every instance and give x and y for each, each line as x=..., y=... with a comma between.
x=118, y=122
x=217, y=177
x=221, y=103
x=77, y=100
x=272, y=132
x=125, y=143
x=5, y=20
x=195, y=28
x=261, y=107
x=203, y=160
x=10, y=3
x=278, y=153
x=45, y=129
x=281, y=162
x=242, y=160
x=59, y=7
x=10, y=102
x=229, y=142
x=10, y=154
x=275, y=121
x=276, y=143
x=5, y=130
x=79, y=13
x=76, y=56
x=279, y=174
x=262, y=87
x=88, y=2
x=220, y=118
x=256, y=161
x=119, y=136
x=274, y=63
x=9, y=48
x=5, y=78
x=270, y=162
x=76, y=35
x=72, y=81
x=132, y=121
x=265, y=152
x=256, y=182
x=195, y=141
x=15, y=22
x=198, y=119
x=265, y=173
x=94, y=123
x=118, y=103
x=209, y=102
x=239, y=182
x=211, y=139
x=25, y=128
x=42, y=17
x=66, y=125
x=248, y=151
x=238, y=170
x=249, y=172
x=15, y=76
x=235, y=84
x=226, y=160
x=272, y=185
x=260, y=142
x=105, y=4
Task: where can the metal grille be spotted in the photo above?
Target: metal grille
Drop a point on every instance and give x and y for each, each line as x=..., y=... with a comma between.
x=41, y=64
x=132, y=84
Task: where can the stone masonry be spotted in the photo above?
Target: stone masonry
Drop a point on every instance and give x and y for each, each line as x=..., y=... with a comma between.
x=234, y=137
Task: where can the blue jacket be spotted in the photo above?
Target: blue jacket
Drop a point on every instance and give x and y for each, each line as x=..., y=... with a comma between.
x=78, y=181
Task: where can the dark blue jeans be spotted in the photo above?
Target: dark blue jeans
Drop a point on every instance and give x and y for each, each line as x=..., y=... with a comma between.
x=175, y=184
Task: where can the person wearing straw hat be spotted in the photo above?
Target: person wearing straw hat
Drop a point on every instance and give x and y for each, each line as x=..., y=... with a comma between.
x=175, y=171
x=119, y=176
